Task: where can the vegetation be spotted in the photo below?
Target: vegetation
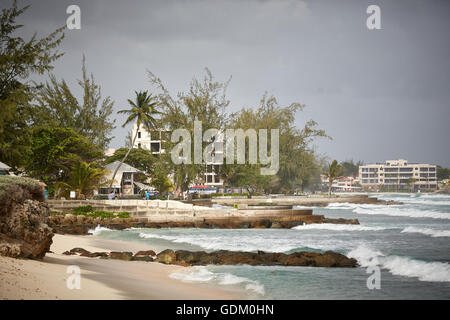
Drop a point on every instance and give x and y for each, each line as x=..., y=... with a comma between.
x=333, y=172
x=58, y=107
x=19, y=60
x=17, y=189
x=83, y=179
x=443, y=173
x=143, y=111
x=350, y=168
x=89, y=212
x=55, y=151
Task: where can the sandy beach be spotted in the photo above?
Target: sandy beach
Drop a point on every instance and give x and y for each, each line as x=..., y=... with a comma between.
x=100, y=278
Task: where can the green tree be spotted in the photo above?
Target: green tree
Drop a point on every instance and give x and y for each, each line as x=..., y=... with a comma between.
x=297, y=160
x=442, y=173
x=249, y=177
x=205, y=101
x=350, y=168
x=143, y=111
x=20, y=59
x=139, y=158
x=58, y=107
x=160, y=181
x=333, y=172
x=83, y=179
x=54, y=151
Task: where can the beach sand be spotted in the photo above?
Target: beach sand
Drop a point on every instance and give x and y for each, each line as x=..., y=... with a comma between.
x=100, y=278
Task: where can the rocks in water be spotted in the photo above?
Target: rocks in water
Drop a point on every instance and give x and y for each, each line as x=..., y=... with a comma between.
x=70, y=224
x=186, y=258
x=167, y=256
x=127, y=256
x=144, y=255
x=23, y=219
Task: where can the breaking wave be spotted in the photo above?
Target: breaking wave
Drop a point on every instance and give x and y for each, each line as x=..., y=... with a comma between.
x=202, y=274
x=98, y=229
x=429, y=232
x=402, y=266
x=402, y=212
x=338, y=227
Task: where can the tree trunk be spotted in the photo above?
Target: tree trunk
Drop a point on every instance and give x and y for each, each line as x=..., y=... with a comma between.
x=329, y=188
x=124, y=158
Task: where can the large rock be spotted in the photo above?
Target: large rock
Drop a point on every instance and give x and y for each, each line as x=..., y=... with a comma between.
x=23, y=219
x=167, y=256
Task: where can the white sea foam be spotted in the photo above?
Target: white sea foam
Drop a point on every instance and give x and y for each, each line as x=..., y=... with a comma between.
x=402, y=266
x=338, y=227
x=403, y=212
x=202, y=274
x=98, y=229
x=429, y=232
x=248, y=242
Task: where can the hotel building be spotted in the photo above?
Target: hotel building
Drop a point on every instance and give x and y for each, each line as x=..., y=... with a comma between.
x=398, y=175
x=153, y=141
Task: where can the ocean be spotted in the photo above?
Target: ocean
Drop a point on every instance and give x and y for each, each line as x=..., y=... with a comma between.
x=409, y=243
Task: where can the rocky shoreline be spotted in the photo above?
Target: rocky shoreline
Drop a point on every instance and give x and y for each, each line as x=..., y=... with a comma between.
x=80, y=225
x=328, y=259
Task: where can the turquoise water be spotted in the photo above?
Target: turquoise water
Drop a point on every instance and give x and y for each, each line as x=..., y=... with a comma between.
x=410, y=244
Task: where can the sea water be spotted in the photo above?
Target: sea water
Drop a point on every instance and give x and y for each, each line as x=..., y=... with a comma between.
x=409, y=243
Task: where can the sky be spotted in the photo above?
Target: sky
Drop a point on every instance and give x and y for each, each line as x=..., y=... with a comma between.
x=380, y=94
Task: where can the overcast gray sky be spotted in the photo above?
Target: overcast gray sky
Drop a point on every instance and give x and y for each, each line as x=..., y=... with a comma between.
x=381, y=94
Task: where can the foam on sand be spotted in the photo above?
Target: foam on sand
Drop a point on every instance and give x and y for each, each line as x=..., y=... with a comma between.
x=402, y=266
x=202, y=274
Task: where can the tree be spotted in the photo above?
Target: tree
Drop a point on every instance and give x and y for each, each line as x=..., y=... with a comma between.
x=54, y=151
x=83, y=179
x=139, y=158
x=442, y=173
x=249, y=177
x=160, y=181
x=57, y=106
x=297, y=160
x=350, y=168
x=143, y=111
x=411, y=183
x=205, y=101
x=333, y=172
x=20, y=59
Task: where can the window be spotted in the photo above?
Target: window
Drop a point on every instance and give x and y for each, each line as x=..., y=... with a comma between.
x=139, y=145
x=139, y=134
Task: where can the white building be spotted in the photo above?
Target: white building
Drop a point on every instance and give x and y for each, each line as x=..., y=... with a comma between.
x=398, y=175
x=153, y=141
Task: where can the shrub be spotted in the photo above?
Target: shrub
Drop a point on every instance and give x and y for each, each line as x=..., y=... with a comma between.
x=82, y=210
x=123, y=214
x=18, y=189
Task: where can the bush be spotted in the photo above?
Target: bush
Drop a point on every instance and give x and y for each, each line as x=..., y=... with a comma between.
x=82, y=210
x=18, y=189
x=123, y=214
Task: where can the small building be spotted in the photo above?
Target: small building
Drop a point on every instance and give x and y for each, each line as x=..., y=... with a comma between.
x=4, y=169
x=125, y=181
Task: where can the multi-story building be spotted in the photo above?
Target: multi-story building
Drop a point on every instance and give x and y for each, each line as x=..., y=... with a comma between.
x=153, y=140
x=398, y=175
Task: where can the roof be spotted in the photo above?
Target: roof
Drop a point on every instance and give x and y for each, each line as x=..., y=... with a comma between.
x=4, y=166
x=143, y=186
x=123, y=168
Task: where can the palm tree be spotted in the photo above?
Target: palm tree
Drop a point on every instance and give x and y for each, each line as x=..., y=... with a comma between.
x=83, y=179
x=142, y=111
x=333, y=172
